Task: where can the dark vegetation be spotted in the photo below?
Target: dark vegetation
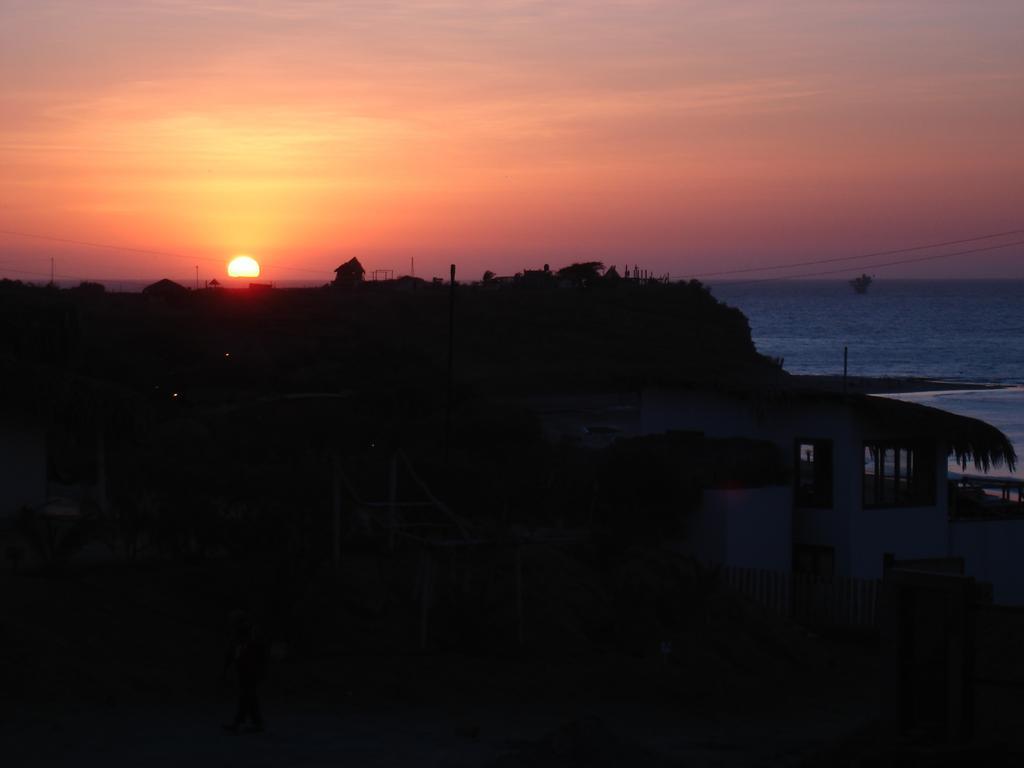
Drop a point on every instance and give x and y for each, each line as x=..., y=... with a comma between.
x=377, y=337
x=224, y=419
x=220, y=436
x=217, y=396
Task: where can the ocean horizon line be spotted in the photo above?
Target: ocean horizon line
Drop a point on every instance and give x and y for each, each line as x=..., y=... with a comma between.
x=132, y=284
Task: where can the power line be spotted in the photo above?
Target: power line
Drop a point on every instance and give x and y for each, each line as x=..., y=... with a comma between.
x=877, y=254
x=38, y=273
x=127, y=249
x=915, y=260
x=99, y=245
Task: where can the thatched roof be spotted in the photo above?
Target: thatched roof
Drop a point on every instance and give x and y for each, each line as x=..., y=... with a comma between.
x=351, y=267
x=969, y=440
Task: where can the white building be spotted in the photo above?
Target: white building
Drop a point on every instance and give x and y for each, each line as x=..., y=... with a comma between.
x=869, y=477
x=866, y=476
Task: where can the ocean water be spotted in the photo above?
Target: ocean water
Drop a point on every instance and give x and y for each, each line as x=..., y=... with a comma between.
x=940, y=329
x=955, y=331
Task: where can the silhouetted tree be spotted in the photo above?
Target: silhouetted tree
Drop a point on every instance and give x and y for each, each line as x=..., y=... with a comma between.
x=582, y=273
x=86, y=288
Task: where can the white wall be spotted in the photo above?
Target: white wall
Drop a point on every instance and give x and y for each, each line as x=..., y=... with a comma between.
x=744, y=527
x=22, y=467
x=906, y=532
x=704, y=533
x=826, y=528
x=858, y=536
x=759, y=526
x=992, y=552
x=782, y=423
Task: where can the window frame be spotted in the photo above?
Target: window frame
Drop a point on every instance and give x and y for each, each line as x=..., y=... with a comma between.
x=823, y=499
x=919, y=485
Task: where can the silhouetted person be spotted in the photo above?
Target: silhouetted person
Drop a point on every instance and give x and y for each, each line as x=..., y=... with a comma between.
x=248, y=655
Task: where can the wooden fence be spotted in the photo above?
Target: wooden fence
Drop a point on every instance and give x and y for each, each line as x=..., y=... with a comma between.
x=999, y=633
x=807, y=599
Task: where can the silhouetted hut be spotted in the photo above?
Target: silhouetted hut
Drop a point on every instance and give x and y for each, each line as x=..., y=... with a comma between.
x=537, y=278
x=350, y=274
x=408, y=283
x=165, y=289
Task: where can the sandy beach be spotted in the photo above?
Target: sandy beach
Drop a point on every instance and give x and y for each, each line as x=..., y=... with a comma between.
x=886, y=385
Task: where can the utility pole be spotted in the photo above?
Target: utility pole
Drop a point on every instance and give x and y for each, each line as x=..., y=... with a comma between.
x=412, y=266
x=336, y=510
x=52, y=271
x=846, y=357
x=197, y=277
x=451, y=365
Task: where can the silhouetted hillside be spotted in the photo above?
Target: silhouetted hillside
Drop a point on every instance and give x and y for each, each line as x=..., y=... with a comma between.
x=219, y=344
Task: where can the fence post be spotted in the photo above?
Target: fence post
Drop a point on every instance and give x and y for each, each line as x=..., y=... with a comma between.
x=519, y=594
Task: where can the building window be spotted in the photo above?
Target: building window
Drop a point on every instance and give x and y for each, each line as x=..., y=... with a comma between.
x=814, y=474
x=899, y=475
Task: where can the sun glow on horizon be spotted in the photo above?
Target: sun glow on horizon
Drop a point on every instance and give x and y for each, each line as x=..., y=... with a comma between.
x=691, y=136
x=243, y=266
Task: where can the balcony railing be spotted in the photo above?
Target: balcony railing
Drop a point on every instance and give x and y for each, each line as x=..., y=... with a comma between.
x=978, y=496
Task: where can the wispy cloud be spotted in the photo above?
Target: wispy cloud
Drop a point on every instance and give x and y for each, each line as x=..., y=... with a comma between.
x=384, y=121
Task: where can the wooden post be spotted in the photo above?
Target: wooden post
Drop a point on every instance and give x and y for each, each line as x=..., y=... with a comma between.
x=519, y=594
x=960, y=662
x=336, y=509
x=392, y=499
x=846, y=357
x=451, y=365
x=426, y=588
x=101, y=472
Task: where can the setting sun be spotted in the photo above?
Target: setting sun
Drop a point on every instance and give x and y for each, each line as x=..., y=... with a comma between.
x=243, y=266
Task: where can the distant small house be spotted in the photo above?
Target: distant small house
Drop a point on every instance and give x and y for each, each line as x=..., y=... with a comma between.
x=350, y=274
x=215, y=283
x=408, y=283
x=537, y=278
x=165, y=289
x=87, y=288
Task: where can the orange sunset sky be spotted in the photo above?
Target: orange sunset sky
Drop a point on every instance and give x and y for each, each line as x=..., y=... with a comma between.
x=683, y=136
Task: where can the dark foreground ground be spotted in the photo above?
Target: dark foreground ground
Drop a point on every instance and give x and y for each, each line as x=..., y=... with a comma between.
x=116, y=666
x=121, y=665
